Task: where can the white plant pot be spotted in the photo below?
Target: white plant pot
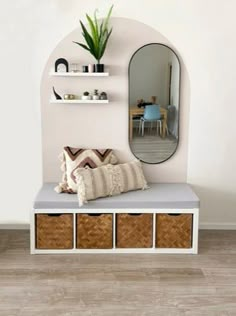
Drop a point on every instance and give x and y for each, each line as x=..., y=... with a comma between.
x=86, y=97
x=95, y=97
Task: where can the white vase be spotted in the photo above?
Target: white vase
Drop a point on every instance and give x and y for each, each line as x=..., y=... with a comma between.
x=90, y=68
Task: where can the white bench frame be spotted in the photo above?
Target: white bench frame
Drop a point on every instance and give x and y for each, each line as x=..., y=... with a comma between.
x=193, y=250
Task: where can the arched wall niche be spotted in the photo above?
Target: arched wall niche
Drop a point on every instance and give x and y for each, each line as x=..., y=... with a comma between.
x=105, y=125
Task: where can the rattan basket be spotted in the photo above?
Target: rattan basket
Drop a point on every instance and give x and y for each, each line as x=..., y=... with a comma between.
x=54, y=231
x=134, y=230
x=174, y=230
x=94, y=231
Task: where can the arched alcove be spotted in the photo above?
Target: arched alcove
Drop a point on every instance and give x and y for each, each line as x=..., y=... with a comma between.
x=104, y=125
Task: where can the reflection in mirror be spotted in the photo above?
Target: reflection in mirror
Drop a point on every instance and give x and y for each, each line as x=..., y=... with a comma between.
x=154, y=85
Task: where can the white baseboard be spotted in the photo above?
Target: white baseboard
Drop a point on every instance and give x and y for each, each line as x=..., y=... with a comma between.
x=15, y=226
x=218, y=226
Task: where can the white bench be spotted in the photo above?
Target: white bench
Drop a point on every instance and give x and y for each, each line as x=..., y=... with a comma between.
x=159, y=199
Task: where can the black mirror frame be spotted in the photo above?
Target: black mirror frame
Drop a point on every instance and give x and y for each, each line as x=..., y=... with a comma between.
x=164, y=45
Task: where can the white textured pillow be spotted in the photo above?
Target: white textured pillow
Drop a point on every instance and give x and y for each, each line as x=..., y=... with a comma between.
x=109, y=180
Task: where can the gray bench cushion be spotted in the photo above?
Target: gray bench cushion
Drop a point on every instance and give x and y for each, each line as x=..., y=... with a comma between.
x=167, y=196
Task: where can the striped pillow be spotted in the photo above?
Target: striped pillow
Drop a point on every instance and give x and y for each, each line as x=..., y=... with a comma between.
x=77, y=158
x=109, y=180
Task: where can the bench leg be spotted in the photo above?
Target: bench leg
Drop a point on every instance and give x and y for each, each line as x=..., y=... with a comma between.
x=32, y=232
x=195, y=231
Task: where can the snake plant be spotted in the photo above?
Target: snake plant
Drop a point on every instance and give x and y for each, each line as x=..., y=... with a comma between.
x=97, y=36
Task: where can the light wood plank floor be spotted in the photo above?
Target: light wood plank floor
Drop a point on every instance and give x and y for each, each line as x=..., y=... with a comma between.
x=118, y=285
x=152, y=148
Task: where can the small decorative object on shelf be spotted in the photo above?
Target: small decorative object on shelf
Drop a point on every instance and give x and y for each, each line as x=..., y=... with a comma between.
x=85, y=68
x=69, y=96
x=103, y=96
x=86, y=96
x=58, y=97
x=97, y=39
x=74, y=67
x=95, y=95
x=90, y=68
x=61, y=65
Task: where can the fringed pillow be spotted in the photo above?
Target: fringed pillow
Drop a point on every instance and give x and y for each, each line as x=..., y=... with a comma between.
x=74, y=159
x=109, y=180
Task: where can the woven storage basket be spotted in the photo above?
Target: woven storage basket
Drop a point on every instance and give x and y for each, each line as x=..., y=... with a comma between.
x=174, y=230
x=54, y=231
x=94, y=231
x=134, y=231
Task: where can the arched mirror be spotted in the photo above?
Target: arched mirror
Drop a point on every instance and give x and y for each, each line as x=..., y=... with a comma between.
x=154, y=88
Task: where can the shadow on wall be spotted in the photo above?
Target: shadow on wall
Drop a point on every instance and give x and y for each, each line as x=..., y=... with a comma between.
x=212, y=199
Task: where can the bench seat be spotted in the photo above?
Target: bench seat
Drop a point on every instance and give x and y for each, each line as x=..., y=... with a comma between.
x=159, y=195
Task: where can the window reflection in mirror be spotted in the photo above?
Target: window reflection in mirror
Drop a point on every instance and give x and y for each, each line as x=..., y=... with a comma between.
x=154, y=85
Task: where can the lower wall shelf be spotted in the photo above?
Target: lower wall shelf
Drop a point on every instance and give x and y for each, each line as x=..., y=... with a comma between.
x=79, y=101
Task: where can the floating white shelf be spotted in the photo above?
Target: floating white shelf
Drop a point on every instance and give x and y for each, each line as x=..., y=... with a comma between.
x=79, y=74
x=79, y=101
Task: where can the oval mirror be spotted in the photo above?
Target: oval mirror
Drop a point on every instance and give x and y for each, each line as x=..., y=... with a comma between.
x=154, y=89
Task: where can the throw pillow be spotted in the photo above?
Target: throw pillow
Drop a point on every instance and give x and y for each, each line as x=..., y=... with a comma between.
x=77, y=158
x=109, y=180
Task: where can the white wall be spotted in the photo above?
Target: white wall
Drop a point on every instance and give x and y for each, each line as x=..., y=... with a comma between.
x=203, y=32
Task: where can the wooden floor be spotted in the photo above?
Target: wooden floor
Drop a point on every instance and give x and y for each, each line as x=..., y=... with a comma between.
x=118, y=285
x=152, y=148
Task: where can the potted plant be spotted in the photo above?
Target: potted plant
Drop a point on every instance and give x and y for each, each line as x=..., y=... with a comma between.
x=103, y=96
x=97, y=39
x=95, y=95
x=86, y=96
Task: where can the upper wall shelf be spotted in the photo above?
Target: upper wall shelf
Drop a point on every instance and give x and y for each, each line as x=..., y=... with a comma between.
x=79, y=74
